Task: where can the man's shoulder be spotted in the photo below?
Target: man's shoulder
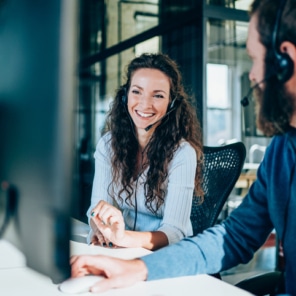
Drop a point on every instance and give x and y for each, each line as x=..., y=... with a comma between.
x=279, y=142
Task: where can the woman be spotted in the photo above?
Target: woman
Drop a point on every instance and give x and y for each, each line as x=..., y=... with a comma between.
x=148, y=163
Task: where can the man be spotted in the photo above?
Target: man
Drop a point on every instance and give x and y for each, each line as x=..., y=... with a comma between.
x=271, y=201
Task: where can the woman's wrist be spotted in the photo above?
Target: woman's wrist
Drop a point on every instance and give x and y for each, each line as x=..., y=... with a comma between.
x=130, y=240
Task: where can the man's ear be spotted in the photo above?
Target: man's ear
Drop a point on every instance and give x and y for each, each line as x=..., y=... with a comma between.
x=290, y=49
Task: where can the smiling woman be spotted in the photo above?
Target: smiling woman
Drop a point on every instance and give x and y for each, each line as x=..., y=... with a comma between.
x=149, y=161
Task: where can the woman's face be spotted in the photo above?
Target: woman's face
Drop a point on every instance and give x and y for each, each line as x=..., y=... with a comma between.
x=148, y=97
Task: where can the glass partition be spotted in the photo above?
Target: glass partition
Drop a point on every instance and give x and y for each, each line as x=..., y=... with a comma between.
x=227, y=61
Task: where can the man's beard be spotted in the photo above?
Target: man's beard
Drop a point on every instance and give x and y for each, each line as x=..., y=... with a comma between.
x=274, y=107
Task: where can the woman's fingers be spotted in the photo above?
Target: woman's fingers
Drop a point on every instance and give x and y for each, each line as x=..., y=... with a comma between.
x=100, y=208
x=101, y=238
x=94, y=240
x=97, y=238
x=104, y=234
x=107, y=220
x=108, y=225
x=105, y=211
x=109, y=214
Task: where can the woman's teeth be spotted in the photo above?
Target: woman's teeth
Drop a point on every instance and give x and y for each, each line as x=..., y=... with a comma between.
x=144, y=114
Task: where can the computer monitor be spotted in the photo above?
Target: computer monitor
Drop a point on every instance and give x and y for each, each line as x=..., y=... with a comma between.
x=37, y=95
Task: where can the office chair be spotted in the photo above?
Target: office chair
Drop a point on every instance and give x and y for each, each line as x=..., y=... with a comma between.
x=222, y=168
x=269, y=283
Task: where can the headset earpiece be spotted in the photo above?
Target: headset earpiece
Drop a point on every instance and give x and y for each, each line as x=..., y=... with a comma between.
x=284, y=65
x=124, y=96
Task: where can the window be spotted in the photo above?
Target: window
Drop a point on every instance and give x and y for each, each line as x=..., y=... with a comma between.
x=219, y=107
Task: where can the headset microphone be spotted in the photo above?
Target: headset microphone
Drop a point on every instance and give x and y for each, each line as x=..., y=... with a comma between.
x=245, y=100
x=150, y=126
x=171, y=108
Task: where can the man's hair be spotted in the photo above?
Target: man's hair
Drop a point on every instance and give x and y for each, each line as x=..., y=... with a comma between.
x=266, y=11
x=275, y=105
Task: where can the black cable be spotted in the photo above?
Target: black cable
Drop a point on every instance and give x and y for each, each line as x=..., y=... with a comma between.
x=136, y=187
x=136, y=205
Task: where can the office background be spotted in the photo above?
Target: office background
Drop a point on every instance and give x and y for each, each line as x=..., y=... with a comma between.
x=207, y=38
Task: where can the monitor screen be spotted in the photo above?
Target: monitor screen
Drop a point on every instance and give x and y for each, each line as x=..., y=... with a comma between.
x=37, y=96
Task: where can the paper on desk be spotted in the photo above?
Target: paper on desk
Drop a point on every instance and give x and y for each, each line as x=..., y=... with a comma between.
x=78, y=248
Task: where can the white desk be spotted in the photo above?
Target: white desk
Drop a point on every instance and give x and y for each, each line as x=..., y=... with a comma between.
x=18, y=280
x=251, y=166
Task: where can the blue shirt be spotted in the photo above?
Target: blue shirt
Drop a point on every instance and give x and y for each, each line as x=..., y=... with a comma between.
x=270, y=203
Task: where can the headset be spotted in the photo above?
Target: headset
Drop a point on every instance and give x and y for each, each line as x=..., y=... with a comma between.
x=284, y=65
x=124, y=96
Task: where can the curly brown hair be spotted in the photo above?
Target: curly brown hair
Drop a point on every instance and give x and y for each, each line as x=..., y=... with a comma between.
x=181, y=123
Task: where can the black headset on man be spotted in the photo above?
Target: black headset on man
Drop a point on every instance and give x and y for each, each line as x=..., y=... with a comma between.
x=283, y=64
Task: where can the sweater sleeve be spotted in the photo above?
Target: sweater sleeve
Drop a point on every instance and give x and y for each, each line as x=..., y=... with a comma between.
x=218, y=248
x=102, y=176
x=176, y=222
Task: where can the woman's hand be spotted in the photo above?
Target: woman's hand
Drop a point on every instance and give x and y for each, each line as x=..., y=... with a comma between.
x=108, y=225
x=109, y=230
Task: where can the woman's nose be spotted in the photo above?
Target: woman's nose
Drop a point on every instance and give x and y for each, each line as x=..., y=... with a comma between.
x=146, y=100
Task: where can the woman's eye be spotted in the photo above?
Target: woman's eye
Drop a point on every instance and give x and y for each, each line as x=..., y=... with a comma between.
x=158, y=96
x=136, y=92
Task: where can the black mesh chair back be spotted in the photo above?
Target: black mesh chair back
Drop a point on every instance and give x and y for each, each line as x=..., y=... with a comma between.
x=222, y=168
x=269, y=283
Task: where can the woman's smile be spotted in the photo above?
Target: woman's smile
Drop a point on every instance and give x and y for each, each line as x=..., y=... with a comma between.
x=145, y=115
